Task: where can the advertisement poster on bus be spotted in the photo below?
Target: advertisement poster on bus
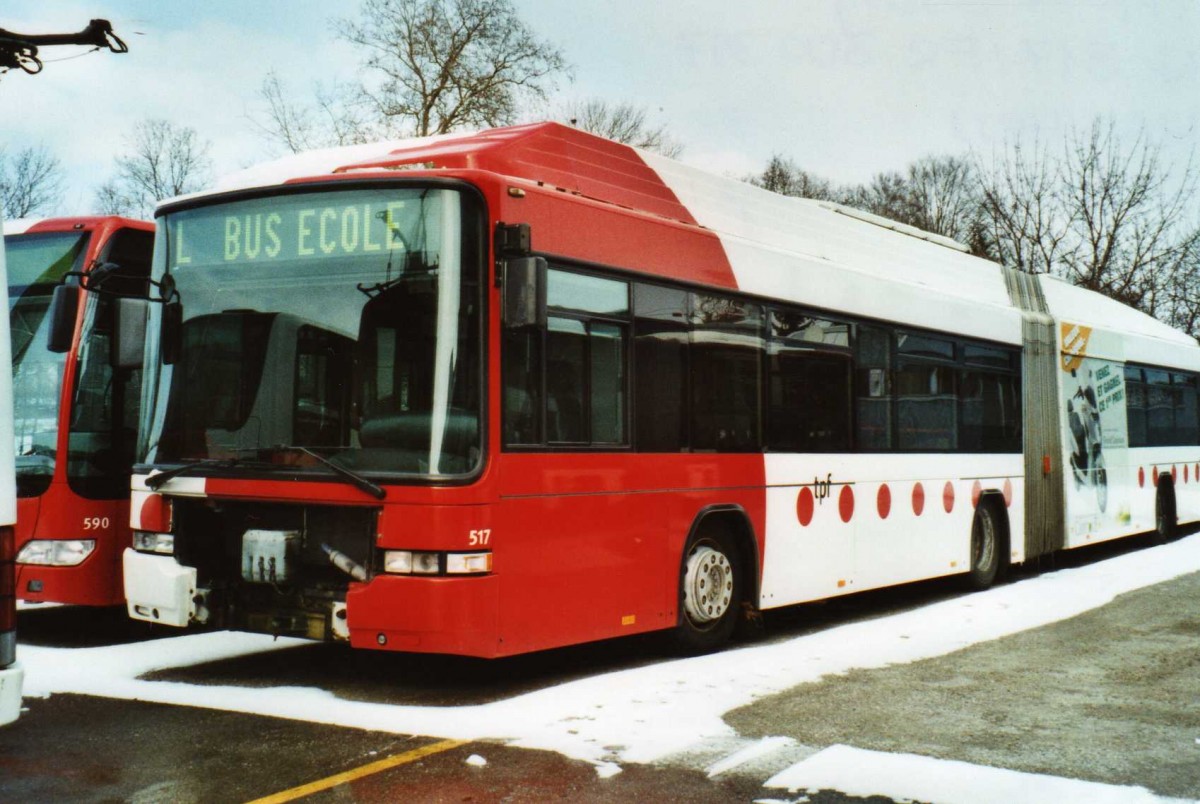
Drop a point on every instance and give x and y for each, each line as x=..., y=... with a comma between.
x=1095, y=437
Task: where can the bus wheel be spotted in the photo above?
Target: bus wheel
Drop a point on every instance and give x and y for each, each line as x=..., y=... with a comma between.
x=985, y=548
x=710, y=592
x=1166, y=523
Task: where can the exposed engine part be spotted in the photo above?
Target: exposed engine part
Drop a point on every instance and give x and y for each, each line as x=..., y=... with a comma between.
x=345, y=563
x=268, y=555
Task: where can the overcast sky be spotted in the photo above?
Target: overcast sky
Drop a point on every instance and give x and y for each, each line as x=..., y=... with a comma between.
x=846, y=88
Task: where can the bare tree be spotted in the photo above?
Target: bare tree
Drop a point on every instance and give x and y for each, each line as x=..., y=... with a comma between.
x=886, y=195
x=439, y=65
x=622, y=122
x=334, y=117
x=938, y=194
x=1125, y=215
x=1107, y=218
x=162, y=160
x=31, y=182
x=785, y=177
x=943, y=196
x=1022, y=214
x=1180, y=302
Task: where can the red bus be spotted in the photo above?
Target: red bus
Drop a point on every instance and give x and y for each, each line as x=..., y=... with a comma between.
x=75, y=415
x=492, y=393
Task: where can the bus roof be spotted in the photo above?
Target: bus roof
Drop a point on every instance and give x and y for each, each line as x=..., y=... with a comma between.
x=82, y=223
x=778, y=246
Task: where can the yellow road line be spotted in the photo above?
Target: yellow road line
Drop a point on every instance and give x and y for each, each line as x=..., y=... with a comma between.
x=359, y=772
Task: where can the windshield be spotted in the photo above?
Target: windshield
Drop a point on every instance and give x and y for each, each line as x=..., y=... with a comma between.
x=36, y=263
x=346, y=322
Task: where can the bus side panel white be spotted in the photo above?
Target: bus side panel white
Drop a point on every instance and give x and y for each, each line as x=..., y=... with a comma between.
x=803, y=562
x=832, y=530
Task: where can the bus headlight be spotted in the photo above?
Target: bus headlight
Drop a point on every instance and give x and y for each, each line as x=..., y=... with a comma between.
x=145, y=541
x=416, y=562
x=397, y=562
x=468, y=563
x=56, y=552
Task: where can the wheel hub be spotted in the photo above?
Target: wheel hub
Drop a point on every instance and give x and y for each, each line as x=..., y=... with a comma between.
x=708, y=585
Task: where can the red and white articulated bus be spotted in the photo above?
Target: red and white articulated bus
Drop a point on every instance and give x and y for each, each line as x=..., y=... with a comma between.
x=492, y=393
x=75, y=413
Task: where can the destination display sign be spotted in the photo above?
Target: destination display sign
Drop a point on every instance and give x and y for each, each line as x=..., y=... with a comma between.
x=302, y=227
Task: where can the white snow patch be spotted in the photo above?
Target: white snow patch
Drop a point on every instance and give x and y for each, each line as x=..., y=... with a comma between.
x=761, y=748
x=857, y=772
x=606, y=770
x=649, y=712
x=476, y=761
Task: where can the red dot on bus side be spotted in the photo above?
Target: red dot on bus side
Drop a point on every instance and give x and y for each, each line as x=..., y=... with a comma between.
x=948, y=497
x=1186, y=472
x=1155, y=476
x=1008, y=493
x=1174, y=474
x=883, y=501
x=976, y=493
x=846, y=503
x=804, y=506
x=918, y=500
x=1141, y=477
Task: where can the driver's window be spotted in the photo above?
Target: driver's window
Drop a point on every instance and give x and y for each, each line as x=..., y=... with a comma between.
x=104, y=409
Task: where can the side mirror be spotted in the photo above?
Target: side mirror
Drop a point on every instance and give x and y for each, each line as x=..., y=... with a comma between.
x=524, y=292
x=129, y=332
x=64, y=309
x=171, y=332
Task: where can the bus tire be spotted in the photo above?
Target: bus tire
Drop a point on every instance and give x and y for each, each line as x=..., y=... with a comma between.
x=710, y=591
x=1166, y=521
x=986, y=544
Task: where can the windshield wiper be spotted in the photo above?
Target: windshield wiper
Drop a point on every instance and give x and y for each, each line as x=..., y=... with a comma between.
x=354, y=478
x=156, y=482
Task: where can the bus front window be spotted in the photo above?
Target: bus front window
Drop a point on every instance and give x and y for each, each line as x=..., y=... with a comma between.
x=344, y=322
x=36, y=263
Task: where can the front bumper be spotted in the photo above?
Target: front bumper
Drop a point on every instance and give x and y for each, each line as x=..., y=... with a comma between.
x=158, y=589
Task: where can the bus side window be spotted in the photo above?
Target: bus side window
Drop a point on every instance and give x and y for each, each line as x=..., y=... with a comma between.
x=662, y=374
x=873, y=388
x=576, y=393
x=926, y=393
x=1187, y=425
x=727, y=347
x=1160, y=408
x=809, y=384
x=522, y=370
x=566, y=356
x=1135, y=407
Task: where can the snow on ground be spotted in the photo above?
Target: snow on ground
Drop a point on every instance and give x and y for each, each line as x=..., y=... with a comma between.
x=856, y=772
x=635, y=715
